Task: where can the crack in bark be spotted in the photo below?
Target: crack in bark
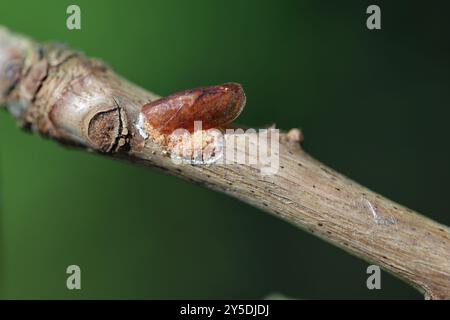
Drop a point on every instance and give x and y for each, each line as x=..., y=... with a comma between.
x=121, y=141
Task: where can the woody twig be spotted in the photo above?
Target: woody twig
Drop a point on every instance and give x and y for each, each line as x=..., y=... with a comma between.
x=65, y=96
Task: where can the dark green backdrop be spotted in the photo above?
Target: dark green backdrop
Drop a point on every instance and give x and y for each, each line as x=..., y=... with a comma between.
x=372, y=104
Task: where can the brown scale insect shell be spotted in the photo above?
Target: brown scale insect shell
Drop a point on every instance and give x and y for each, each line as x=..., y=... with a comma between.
x=215, y=106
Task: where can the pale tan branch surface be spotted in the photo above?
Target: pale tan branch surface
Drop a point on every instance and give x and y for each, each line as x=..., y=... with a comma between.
x=65, y=96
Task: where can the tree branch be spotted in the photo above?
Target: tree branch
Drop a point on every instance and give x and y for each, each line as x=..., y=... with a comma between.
x=78, y=101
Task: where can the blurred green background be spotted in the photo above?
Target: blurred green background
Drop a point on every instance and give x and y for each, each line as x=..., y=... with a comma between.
x=372, y=104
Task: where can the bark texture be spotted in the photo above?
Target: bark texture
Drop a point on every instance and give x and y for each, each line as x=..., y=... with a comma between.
x=63, y=95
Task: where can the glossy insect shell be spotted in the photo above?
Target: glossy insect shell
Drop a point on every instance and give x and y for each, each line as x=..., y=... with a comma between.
x=215, y=106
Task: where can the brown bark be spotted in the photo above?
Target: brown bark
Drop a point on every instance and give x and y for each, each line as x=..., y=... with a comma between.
x=79, y=101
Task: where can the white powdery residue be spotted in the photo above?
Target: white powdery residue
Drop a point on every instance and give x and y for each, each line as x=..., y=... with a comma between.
x=140, y=126
x=199, y=148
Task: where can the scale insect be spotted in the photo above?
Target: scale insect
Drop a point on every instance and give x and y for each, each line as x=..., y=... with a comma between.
x=214, y=106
